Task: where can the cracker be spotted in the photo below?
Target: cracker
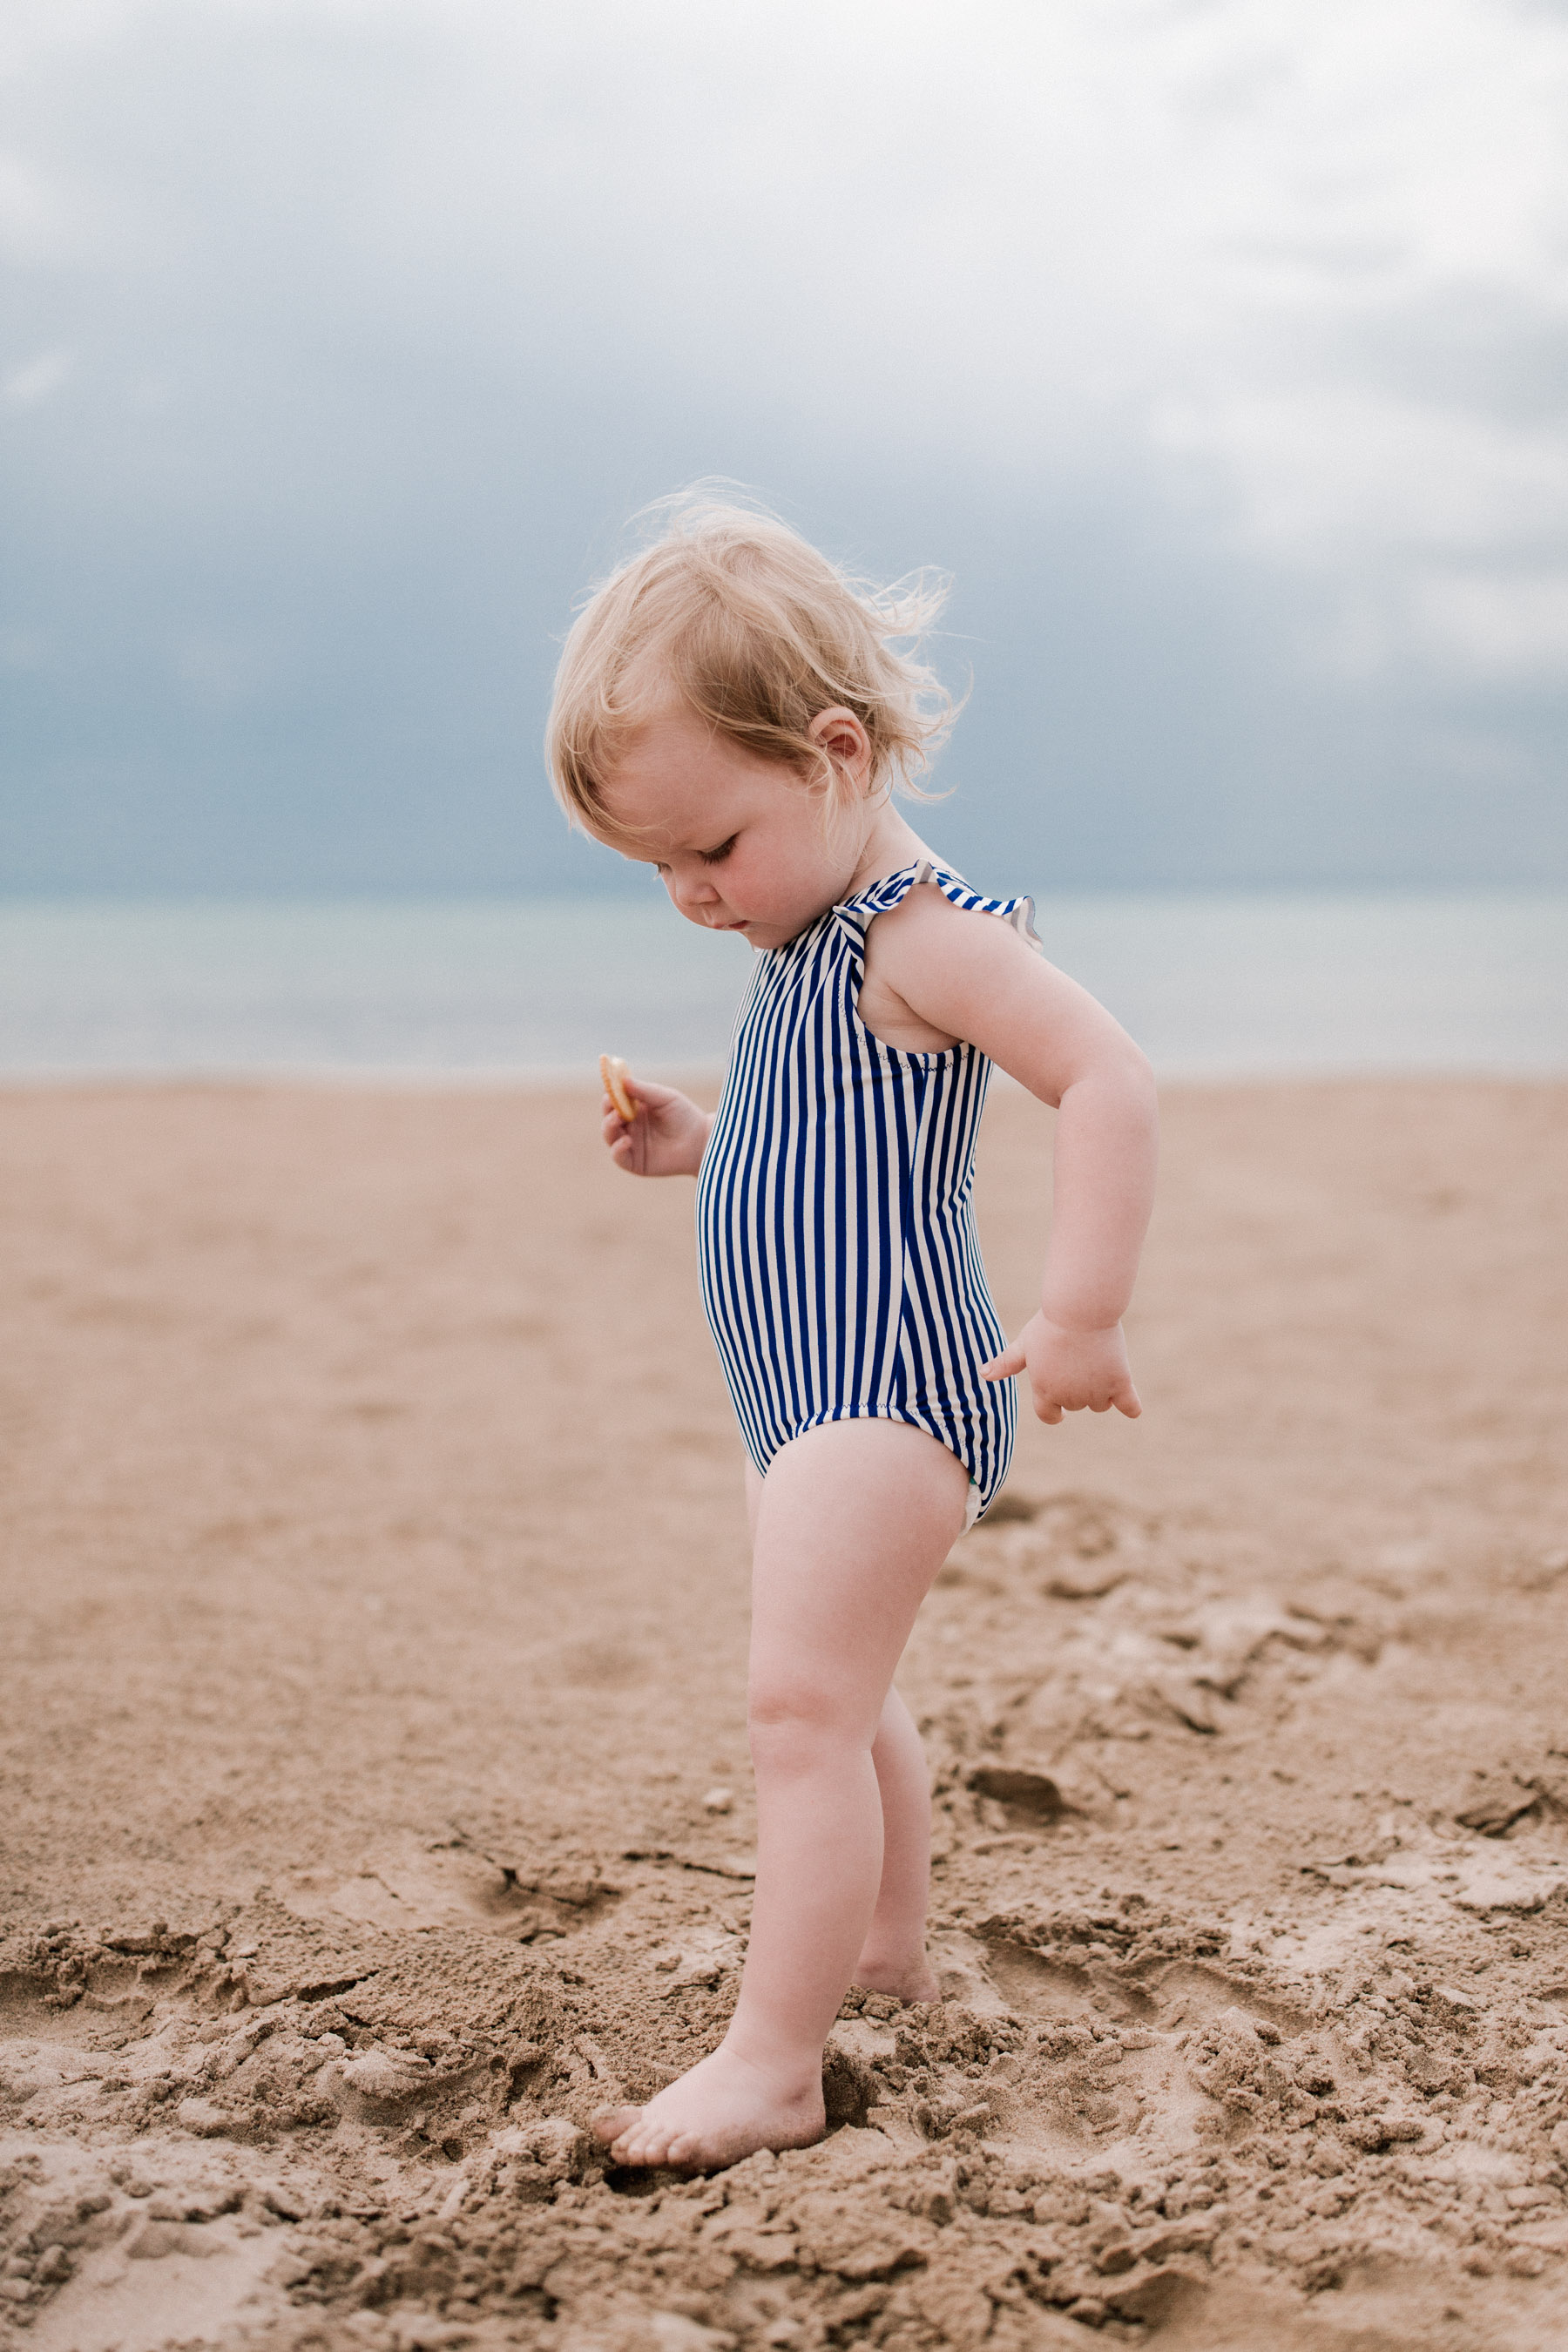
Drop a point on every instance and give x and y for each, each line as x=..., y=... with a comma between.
x=613, y=1072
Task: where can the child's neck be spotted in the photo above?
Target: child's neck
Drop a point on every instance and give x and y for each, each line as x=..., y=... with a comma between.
x=890, y=844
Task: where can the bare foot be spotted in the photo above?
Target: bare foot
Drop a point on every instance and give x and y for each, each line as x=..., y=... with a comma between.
x=905, y=1979
x=724, y=2109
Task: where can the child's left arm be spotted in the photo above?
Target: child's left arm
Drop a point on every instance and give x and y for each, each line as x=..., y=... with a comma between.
x=972, y=976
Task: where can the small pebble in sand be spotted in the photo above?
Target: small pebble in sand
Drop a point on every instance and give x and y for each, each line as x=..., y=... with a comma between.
x=718, y=1801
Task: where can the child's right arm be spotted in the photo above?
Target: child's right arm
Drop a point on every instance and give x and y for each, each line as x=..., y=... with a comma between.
x=668, y=1137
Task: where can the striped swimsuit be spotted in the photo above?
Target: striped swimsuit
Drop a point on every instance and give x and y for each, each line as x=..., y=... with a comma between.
x=840, y=1266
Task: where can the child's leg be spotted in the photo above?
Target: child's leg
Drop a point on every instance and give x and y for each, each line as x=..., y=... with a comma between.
x=893, y=1957
x=853, y=1523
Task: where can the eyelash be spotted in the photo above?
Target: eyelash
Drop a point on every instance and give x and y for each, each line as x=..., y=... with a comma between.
x=707, y=856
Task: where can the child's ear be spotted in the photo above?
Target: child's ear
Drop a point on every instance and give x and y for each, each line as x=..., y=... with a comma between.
x=842, y=740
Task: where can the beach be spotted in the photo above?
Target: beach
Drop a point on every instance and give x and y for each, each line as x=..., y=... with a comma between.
x=377, y=1805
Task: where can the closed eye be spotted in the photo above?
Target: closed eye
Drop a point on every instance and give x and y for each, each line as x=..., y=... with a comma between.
x=717, y=857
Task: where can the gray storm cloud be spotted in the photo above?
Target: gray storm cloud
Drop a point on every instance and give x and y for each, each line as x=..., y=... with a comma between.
x=1219, y=349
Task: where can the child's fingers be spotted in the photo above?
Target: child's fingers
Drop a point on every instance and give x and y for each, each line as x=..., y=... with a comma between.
x=619, y=1141
x=614, y=1128
x=1120, y=1393
x=1003, y=1366
x=1056, y=1398
x=644, y=1094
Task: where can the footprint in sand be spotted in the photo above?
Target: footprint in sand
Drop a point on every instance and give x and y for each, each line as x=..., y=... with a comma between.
x=413, y=1887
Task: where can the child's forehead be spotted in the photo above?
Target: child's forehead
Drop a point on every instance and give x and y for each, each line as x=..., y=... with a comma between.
x=642, y=825
x=670, y=735
x=679, y=771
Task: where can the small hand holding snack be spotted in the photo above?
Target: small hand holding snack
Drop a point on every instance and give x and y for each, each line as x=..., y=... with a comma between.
x=650, y=1130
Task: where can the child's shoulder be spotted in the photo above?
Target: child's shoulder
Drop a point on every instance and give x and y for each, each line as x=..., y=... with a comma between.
x=936, y=922
x=927, y=901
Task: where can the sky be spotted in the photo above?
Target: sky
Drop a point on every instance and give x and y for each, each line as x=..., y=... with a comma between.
x=1219, y=349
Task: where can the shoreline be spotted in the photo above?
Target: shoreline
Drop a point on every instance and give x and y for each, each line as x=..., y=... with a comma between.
x=568, y=1078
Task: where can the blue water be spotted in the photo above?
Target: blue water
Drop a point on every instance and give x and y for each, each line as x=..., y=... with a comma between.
x=1234, y=984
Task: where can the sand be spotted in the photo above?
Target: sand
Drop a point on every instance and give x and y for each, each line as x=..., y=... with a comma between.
x=376, y=1803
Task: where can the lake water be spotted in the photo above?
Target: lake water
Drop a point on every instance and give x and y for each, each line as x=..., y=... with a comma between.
x=1227, y=985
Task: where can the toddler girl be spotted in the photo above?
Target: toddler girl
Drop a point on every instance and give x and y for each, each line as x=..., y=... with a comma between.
x=733, y=711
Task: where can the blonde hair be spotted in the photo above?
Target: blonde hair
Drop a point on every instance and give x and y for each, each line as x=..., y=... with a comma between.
x=733, y=615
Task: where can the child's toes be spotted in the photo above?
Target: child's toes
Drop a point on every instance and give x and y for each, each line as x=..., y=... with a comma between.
x=615, y=2124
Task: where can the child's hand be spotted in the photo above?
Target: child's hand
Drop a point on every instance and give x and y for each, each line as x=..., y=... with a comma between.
x=1069, y=1370
x=668, y=1137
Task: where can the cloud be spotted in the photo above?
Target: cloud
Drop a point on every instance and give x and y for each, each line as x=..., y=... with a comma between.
x=1176, y=316
x=1105, y=234
x=1501, y=629
x=1348, y=475
x=35, y=379
x=34, y=218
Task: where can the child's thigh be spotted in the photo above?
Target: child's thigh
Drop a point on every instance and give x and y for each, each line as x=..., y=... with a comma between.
x=852, y=1523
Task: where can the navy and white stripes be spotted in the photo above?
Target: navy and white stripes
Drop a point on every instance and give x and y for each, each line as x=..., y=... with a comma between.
x=840, y=1266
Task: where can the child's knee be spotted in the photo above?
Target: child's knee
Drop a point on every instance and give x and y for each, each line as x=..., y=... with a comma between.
x=789, y=1714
